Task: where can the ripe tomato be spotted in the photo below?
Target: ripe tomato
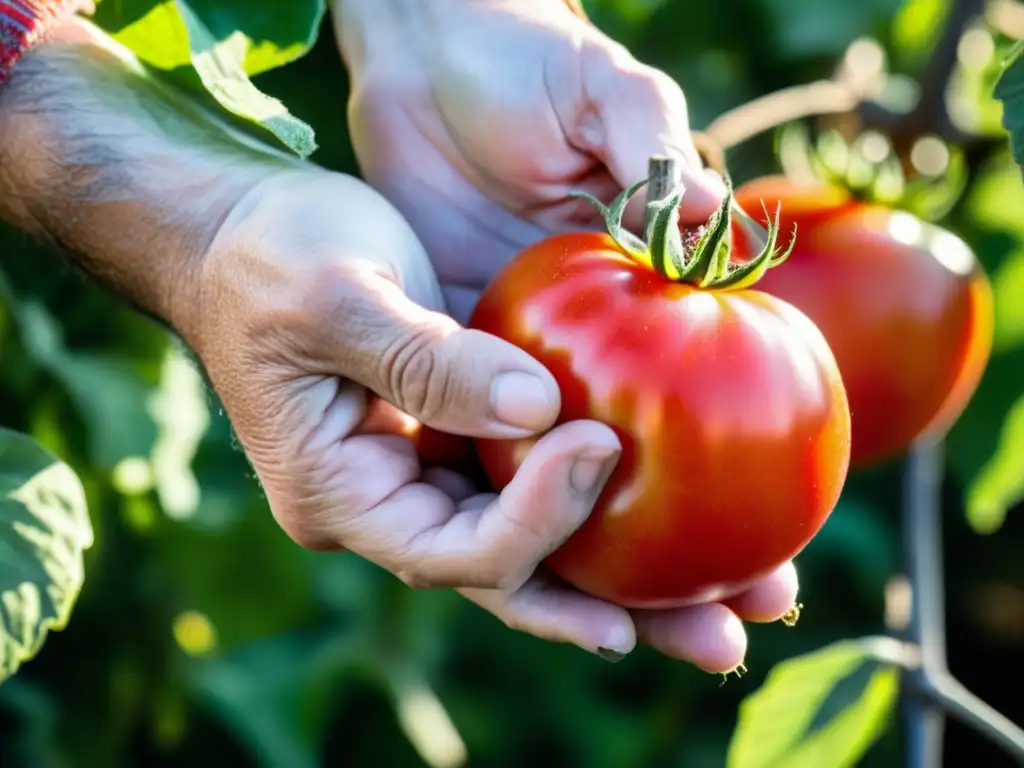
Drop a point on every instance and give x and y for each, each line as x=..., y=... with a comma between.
x=904, y=305
x=730, y=408
x=434, y=448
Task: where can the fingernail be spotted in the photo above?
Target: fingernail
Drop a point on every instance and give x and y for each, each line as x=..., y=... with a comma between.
x=609, y=655
x=590, y=469
x=520, y=400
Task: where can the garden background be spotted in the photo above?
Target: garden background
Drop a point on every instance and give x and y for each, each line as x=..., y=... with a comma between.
x=203, y=636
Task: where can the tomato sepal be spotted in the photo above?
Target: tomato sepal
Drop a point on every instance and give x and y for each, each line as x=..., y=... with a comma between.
x=708, y=262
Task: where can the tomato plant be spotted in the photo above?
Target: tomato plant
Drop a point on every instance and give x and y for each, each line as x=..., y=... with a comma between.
x=904, y=304
x=731, y=411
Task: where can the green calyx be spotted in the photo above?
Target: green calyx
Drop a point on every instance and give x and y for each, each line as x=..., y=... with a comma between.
x=707, y=262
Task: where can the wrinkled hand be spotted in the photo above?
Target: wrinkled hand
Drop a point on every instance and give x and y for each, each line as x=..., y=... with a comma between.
x=477, y=120
x=320, y=325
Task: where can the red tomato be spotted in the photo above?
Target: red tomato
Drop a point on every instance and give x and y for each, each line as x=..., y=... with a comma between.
x=904, y=305
x=434, y=448
x=728, y=403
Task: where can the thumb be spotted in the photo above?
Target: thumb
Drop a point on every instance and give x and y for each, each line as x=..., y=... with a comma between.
x=456, y=380
x=643, y=112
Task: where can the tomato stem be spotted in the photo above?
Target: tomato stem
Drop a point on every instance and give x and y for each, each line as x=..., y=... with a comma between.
x=708, y=263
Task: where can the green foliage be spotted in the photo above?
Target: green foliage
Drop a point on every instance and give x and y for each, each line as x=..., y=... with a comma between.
x=215, y=46
x=823, y=708
x=44, y=529
x=1010, y=90
x=986, y=446
x=211, y=639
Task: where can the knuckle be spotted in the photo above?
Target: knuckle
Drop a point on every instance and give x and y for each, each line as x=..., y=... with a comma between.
x=306, y=536
x=416, y=577
x=416, y=374
x=656, y=87
x=519, y=621
x=489, y=573
x=501, y=573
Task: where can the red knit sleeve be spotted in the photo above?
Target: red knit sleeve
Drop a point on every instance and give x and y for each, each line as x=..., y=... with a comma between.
x=23, y=22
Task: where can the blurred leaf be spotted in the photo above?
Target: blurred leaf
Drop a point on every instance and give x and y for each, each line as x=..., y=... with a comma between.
x=856, y=536
x=106, y=392
x=999, y=484
x=628, y=11
x=38, y=712
x=823, y=708
x=250, y=579
x=179, y=407
x=275, y=693
x=223, y=43
x=815, y=28
x=423, y=717
x=985, y=444
x=917, y=23
x=45, y=529
x=1010, y=91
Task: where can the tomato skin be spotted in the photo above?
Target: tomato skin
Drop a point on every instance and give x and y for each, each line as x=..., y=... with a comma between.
x=731, y=412
x=904, y=305
x=433, y=448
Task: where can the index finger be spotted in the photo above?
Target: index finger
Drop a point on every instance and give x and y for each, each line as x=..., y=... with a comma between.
x=421, y=535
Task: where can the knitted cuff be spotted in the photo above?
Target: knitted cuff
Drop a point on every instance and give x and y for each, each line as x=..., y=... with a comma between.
x=23, y=22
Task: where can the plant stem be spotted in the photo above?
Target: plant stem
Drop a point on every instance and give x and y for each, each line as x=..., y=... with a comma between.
x=662, y=179
x=1006, y=17
x=932, y=691
x=922, y=554
x=960, y=703
x=822, y=97
x=850, y=92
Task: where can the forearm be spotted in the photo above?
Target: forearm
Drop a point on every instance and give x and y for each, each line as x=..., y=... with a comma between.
x=126, y=177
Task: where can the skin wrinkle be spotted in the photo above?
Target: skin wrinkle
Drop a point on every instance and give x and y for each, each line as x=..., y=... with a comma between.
x=585, y=105
x=484, y=177
x=170, y=163
x=85, y=159
x=494, y=229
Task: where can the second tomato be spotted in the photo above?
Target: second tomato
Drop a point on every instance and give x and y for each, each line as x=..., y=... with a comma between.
x=904, y=305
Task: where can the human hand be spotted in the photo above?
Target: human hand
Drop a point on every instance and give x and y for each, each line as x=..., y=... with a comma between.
x=302, y=292
x=477, y=120
x=316, y=296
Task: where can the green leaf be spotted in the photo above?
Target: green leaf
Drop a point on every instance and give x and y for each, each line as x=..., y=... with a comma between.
x=985, y=447
x=276, y=694
x=423, y=717
x=1000, y=483
x=806, y=28
x=823, y=708
x=107, y=394
x=45, y=530
x=857, y=538
x=222, y=43
x=917, y=24
x=1010, y=91
x=273, y=33
x=180, y=410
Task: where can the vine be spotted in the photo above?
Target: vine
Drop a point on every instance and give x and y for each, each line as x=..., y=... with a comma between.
x=932, y=691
